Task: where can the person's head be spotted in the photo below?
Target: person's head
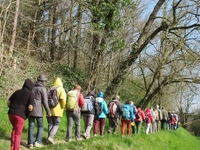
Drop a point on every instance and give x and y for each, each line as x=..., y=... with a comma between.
x=117, y=97
x=131, y=103
x=42, y=78
x=148, y=110
x=128, y=102
x=91, y=93
x=28, y=84
x=77, y=87
x=100, y=94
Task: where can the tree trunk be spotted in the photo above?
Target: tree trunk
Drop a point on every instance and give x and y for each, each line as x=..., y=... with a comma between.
x=53, y=33
x=12, y=43
x=137, y=48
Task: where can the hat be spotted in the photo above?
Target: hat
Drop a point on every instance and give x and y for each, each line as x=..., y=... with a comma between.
x=42, y=78
x=91, y=93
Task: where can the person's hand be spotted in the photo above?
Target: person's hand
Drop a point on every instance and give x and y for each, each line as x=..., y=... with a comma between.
x=49, y=115
x=30, y=107
x=8, y=102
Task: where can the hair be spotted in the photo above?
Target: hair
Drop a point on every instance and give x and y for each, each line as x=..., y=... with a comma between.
x=117, y=97
x=128, y=102
x=77, y=87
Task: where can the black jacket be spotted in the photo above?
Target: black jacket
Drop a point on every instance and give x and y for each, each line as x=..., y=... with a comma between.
x=20, y=100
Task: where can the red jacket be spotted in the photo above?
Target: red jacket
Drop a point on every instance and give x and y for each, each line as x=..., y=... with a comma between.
x=148, y=116
x=141, y=113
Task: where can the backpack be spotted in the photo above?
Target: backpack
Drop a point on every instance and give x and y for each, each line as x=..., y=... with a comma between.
x=126, y=112
x=53, y=97
x=72, y=100
x=146, y=117
x=88, y=104
x=98, y=108
x=137, y=115
x=112, y=109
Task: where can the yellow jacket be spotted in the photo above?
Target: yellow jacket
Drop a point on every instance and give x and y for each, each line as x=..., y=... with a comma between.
x=58, y=110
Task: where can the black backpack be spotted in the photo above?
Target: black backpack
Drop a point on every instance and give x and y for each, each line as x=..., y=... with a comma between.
x=53, y=97
x=98, y=108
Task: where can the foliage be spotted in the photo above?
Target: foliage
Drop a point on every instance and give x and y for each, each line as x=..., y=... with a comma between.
x=71, y=76
x=131, y=90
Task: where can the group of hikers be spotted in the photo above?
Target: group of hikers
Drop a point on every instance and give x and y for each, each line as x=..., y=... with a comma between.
x=32, y=98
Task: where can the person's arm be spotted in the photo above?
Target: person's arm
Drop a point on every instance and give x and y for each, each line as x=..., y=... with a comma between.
x=105, y=108
x=131, y=114
x=44, y=97
x=62, y=98
x=31, y=102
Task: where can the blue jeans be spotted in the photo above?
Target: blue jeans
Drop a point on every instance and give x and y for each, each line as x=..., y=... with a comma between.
x=138, y=125
x=40, y=128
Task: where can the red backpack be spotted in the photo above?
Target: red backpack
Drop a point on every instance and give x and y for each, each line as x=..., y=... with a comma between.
x=112, y=109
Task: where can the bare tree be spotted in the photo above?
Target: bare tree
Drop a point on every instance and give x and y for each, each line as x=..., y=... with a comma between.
x=12, y=43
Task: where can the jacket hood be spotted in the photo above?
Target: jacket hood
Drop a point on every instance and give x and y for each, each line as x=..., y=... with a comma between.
x=148, y=110
x=28, y=84
x=100, y=94
x=91, y=93
x=58, y=82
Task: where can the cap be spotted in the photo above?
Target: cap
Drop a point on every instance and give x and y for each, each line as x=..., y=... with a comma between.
x=42, y=78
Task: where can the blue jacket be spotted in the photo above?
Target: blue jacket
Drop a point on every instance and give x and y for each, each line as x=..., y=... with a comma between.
x=131, y=117
x=103, y=105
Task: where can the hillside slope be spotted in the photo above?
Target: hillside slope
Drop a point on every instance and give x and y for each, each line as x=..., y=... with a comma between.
x=179, y=139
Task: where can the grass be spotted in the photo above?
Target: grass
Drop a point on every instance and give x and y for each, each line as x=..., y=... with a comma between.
x=163, y=140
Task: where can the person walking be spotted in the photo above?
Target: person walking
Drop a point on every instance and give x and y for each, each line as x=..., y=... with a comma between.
x=127, y=118
x=20, y=105
x=88, y=115
x=163, y=120
x=154, y=126
x=100, y=119
x=134, y=112
x=115, y=110
x=40, y=100
x=158, y=117
x=148, y=120
x=57, y=111
x=75, y=101
x=139, y=117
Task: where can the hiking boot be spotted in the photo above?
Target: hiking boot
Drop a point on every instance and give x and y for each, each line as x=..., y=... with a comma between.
x=68, y=140
x=50, y=140
x=38, y=144
x=109, y=131
x=30, y=146
x=85, y=136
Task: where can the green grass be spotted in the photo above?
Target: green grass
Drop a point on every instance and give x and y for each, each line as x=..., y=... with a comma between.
x=163, y=140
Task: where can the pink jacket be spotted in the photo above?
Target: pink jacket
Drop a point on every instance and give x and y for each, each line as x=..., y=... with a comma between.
x=149, y=115
x=141, y=113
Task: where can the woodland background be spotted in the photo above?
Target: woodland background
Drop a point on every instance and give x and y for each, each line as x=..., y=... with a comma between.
x=146, y=51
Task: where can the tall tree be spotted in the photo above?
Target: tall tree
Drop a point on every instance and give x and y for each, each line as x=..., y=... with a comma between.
x=12, y=43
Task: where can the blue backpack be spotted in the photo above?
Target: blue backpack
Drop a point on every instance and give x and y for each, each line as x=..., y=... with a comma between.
x=88, y=104
x=126, y=112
